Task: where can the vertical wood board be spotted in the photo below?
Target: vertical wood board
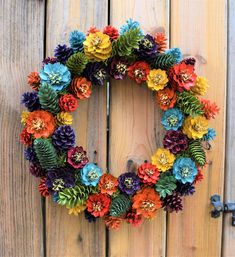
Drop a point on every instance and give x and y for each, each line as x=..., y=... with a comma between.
x=21, y=49
x=228, y=229
x=198, y=27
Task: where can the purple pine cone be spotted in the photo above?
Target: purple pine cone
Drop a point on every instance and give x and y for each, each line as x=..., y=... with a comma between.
x=96, y=72
x=173, y=203
x=175, y=141
x=118, y=68
x=36, y=170
x=62, y=53
x=190, y=61
x=89, y=216
x=58, y=179
x=147, y=48
x=185, y=189
x=63, y=138
x=48, y=60
x=30, y=154
x=129, y=183
x=31, y=101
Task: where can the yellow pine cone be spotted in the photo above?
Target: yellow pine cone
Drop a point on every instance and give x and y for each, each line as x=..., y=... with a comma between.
x=157, y=79
x=97, y=46
x=200, y=87
x=77, y=209
x=163, y=159
x=195, y=127
x=24, y=117
x=64, y=118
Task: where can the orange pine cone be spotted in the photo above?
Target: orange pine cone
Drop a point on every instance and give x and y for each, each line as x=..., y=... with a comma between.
x=81, y=87
x=34, y=80
x=161, y=41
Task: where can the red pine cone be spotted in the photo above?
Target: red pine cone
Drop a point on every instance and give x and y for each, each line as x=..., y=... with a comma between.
x=25, y=138
x=42, y=188
x=199, y=176
x=68, y=103
x=134, y=219
x=112, y=32
x=92, y=29
x=161, y=40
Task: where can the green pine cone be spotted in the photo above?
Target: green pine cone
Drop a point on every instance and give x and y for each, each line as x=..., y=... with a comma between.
x=77, y=195
x=77, y=63
x=48, y=99
x=189, y=104
x=46, y=153
x=119, y=205
x=163, y=61
x=126, y=43
x=165, y=185
x=197, y=152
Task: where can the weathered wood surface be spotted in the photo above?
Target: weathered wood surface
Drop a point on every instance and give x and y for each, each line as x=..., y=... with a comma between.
x=69, y=235
x=198, y=27
x=228, y=230
x=132, y=131
x=21, y=50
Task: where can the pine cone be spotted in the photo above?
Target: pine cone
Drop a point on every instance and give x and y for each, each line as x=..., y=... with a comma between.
x=175, y=141
x=185, y=189
x=48, y=99
x=165, y=185
x=34, y=80
x=48, y=60
x=46, y=153
x=30, y=154
x=62, y=53
x=36, y=170
x=63, y=138
x=96, y=73
x=64, y=118
x=127, y=43
x=77, y=63
x=173, y=203
x=161, y=41
x=89, y=216
x=189, y=104
x=119, y=205
x=42, y=188
x=163, y=61
x=147, y=48
x=77, y=195
x=31, y=101
x=197, y=152
x=189, y=61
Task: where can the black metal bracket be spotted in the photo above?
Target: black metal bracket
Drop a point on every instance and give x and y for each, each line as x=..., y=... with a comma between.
x=220, y=207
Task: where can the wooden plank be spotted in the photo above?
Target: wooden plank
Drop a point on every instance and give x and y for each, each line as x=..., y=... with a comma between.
x=228, y=230
x=198, y=27
x=133, y=123
x=69, y=235
x=21, y=49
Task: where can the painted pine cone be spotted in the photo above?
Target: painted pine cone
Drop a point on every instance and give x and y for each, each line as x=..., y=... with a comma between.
x=175, y=141
x=63, y=138
x=173, y=203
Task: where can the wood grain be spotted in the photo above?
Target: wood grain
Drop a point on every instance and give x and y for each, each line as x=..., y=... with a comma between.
x=21, y=49
x=198, y=27
x=135, y=131
x=70, y=235
x=228, y=230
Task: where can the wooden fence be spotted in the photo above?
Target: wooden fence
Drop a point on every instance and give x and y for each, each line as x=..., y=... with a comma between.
x=30, y=227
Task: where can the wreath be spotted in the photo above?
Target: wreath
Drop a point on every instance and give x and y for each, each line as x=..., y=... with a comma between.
x=64, y=169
